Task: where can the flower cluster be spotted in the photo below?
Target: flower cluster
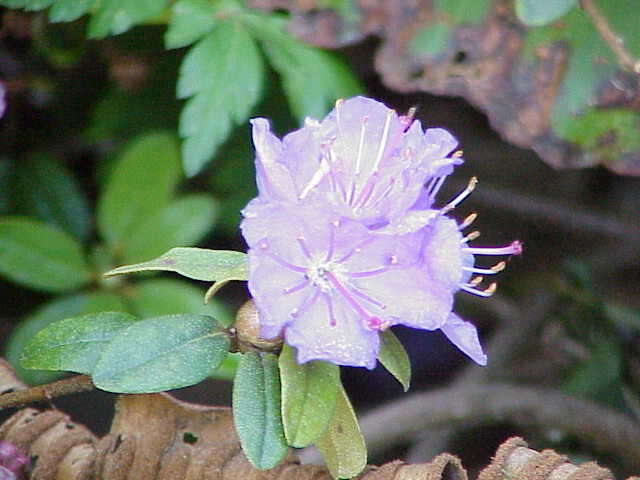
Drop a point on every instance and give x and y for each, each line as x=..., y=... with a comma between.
x=345, y=239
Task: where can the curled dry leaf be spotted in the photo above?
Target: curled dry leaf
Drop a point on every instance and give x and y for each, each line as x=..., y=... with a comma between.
x=558, y=89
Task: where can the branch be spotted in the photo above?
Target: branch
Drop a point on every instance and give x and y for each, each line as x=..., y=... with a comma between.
x=599, y=427
x=75, y=384
x=611, y=38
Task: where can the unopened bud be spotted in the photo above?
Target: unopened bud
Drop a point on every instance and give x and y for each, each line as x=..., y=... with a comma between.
x=247, y=326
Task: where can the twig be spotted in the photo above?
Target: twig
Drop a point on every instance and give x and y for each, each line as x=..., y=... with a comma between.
x=611, y=38
x=75, y=384
x=604, y=430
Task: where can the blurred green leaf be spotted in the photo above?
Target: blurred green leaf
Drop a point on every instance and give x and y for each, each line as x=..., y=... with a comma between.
x=312, y=79
x=69, y=10
x=141, y=183
x=40, y=257
x=342, y=445
x=161, y=353
x=542, y=12
x=624, y=317
x=395, y=359
x=112, y=17
x=190, y=20
x=44, y=189
x=196, y=263
x=309, y=393
x=74, y=344
x=222, y=74
x=599, y=374
x=166, y=296
x=256, y=410
x=52, y=311
x=6, y=179
x=26, y=4
x=182, y=222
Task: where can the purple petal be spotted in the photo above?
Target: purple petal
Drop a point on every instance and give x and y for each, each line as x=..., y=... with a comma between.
x=464, y=336
x=3, y=102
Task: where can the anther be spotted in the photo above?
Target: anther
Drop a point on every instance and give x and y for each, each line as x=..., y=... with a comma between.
x=468, y=221
x=461, y=196
x=498, y=267
x=457, y=154
x=474, y=282
x=471, y=236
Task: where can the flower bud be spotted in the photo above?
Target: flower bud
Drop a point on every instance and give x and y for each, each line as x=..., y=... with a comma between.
x=247, y=326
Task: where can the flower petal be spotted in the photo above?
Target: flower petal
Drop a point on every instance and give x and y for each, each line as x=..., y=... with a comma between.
x=464, y=336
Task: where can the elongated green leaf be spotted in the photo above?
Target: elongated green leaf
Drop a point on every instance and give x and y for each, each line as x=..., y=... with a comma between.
x=74, y=344
x=39, y=256
x=161, y=353
x=141, y=183
x=55, y=310
x=167, y=296
x=190, y=20
x=395, y=359
x=69, y=10
x=113, y=17
x=342, y=446
x=182, y=222
x=312, y=79
x=27, y=4
x=309, y=393
x=196, y=263
x=47, y=191
x=256, y=410
x=541, y=12
x=223, y=75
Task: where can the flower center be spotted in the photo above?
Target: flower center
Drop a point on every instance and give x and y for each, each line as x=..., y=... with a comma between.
x=319, y=272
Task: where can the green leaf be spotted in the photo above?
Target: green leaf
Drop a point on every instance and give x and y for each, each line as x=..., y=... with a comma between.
x=342, y=445
x=113, y=17
x=47, y=191
x=599, y=372
x=167, y=296
x=190, y=20
x=309, y=393
x=256, y=410
x=542, y=12
x=223, y=74
x=141, y=183
x=161, y=353
x=27, y=4
x=395, y=359
x=55, y=310
x=74, y=344
x=182, y=222
x=196, y=263
x=69, y=10
x=312, y=79
x=41, y=257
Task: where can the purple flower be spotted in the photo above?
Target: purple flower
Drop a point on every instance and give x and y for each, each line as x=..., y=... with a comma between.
x=12, y=461
x=3, y=102
x=344, y=241
x=363, y=159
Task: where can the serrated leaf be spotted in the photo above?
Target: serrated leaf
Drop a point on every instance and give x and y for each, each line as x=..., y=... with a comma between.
x=312, y=79
x=223, y=74
x=395, y=359
x=542, y=12
x=53, y=311
x=74, y=344
x=161, y=353
x=40, y=257
x=141, y=183
x=182, y=222
x=166, y=296
x=309, y=393
x=196, y=263
x=190, y=20
x=44, y=189
x=69, y=10
x=256, y=410
x=113, y=17
x=342, y=445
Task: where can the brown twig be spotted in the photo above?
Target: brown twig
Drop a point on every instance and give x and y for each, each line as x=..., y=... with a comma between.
x=604, y=430
x=75, y=384
x=611, y=38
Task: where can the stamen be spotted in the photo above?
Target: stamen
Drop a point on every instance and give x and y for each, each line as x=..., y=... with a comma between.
x=365, y=120
x=457, y=154
x=515, y=248
x=468, y=221
x=295, y=288
x=332, y=237
x=498, y=267
x=383, y=141
x=357, y=249
x=474, y=282
x=472, y=236
x=332, y=317
x=376, y=323
x=366, y=297
x=490, y=290
x=303, y=246
x=309, y=301
x=348, y=297
x=264, y=246
x=370, y=273
x=407, y=120
x=461, y=196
